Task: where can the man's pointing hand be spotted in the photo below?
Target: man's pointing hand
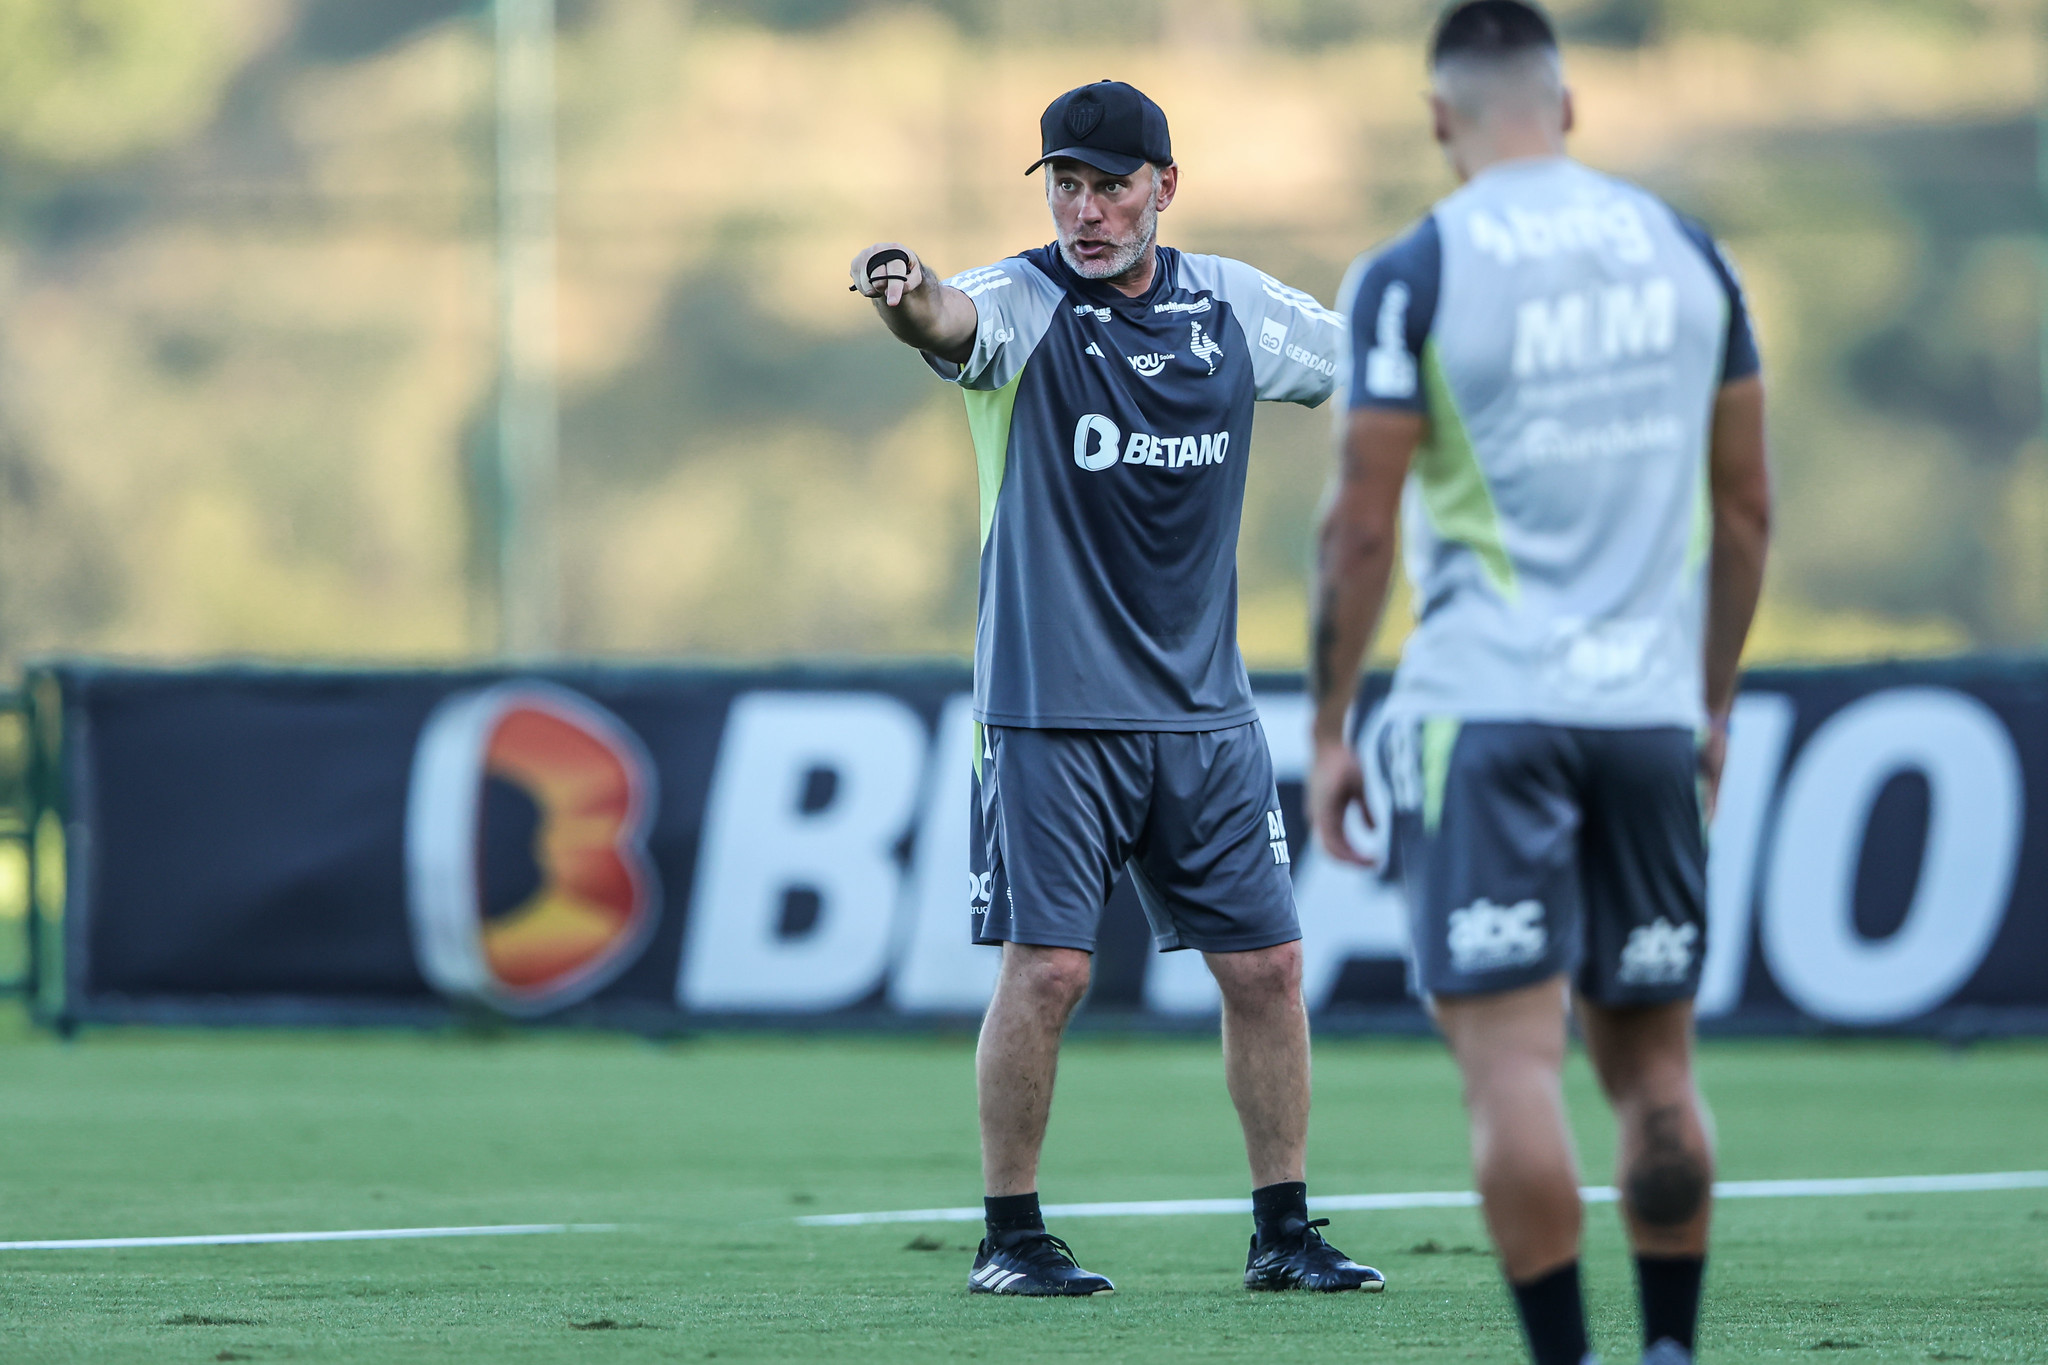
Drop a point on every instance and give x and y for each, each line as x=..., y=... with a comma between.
x=888, y=271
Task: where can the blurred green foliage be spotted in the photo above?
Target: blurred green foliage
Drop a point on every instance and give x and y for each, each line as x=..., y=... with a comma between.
x=247, y=307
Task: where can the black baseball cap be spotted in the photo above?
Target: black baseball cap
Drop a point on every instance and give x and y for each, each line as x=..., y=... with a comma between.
x=1109, y=125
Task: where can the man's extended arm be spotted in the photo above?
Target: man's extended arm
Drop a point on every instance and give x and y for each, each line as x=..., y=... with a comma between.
x=1354, y=564
x=1739, y=484
x=915, y=305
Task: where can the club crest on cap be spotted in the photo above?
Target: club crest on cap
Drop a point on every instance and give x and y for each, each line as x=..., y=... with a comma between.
x=1084, y=115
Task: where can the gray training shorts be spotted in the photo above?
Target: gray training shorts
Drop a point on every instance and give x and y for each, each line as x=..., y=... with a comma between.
x=1528, y=851
x=1194, y=815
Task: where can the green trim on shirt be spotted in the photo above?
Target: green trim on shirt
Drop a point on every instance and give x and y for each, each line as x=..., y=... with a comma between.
x=1702, y=542
x=988, y=422
x=1439, y=738
x=1454, y=489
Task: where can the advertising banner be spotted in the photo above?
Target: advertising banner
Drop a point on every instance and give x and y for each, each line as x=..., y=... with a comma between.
x=662, y=848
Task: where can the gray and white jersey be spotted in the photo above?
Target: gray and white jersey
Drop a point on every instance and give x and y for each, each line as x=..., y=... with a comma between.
x=1112, y=436
x=1566, y=334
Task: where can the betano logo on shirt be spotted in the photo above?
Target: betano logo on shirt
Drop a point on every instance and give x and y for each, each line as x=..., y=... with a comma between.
x=1099, y=443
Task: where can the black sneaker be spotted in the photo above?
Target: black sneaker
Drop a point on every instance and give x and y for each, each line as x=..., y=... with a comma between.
x=1301, y=1259
x=1034, y=1262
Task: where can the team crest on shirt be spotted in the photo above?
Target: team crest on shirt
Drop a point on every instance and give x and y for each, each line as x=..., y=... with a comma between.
x=1205, y=347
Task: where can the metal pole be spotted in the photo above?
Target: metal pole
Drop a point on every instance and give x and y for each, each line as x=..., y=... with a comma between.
x=528, y=548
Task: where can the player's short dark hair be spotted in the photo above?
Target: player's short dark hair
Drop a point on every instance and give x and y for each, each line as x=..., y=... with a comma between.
x=1491, y=30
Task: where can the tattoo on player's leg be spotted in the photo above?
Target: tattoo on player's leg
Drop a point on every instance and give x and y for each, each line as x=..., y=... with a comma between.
x=1668, y=1184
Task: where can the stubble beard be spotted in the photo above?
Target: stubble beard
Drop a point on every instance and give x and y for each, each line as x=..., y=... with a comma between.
x=1122, y=262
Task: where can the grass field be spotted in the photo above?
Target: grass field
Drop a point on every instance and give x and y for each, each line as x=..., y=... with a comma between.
x=706, y=1150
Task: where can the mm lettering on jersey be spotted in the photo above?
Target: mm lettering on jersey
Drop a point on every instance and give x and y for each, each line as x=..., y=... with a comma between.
x=1596, y=328
x=1100, y=443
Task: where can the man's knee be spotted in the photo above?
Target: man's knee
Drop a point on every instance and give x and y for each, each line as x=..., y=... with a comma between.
x=1511, y=1037
x=1669, y=1181
x=1055, y=978
x=1259, y=976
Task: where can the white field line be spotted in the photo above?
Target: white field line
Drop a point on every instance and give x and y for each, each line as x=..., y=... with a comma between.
x=1458, y=1199
x=232, y=1239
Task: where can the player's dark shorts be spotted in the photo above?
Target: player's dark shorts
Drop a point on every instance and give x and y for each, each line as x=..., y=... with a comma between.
x=1195, y=816
x=1533, y=850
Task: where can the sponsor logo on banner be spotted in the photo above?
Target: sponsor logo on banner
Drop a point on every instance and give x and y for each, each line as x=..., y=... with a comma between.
x=1868, y=865
x=561, y=791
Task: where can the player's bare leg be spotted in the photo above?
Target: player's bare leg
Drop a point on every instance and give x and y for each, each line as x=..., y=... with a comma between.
x=1510, y=1048
x=1036, y=994
x=1666, y=1159
x=1265, y=1056
x=1265, y=1061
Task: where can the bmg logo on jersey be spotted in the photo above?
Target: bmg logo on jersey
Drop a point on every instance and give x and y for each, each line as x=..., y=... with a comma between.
x=1100, y=443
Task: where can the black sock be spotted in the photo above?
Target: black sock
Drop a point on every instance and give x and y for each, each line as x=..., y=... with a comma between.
x=1668, y=1287
x=1554, y=1316
x=1012, y=1213
x=1273, y=1205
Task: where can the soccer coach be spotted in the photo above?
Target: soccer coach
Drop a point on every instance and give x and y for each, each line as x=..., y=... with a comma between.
x=1109, y=384
x=1559, y=371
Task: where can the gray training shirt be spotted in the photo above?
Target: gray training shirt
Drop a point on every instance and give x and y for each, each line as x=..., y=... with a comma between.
x=1566, y=334
x=1112, y=436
